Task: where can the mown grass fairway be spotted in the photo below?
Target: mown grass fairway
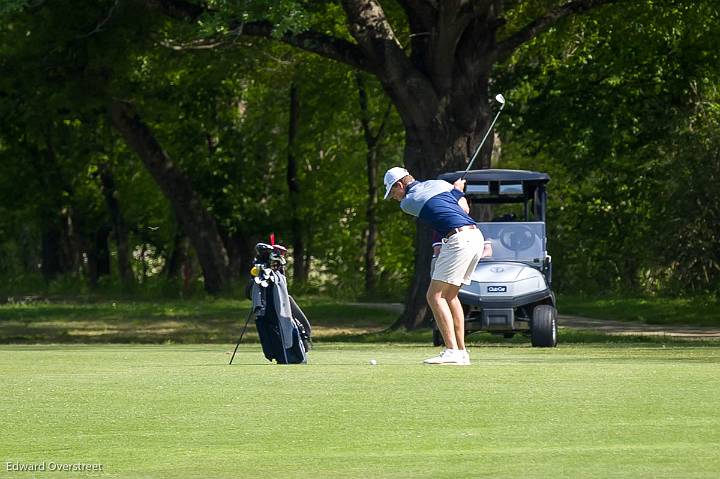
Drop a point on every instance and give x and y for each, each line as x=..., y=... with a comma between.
x=180, y=411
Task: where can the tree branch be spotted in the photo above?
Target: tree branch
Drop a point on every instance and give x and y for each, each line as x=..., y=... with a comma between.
x=370, y=27
x=311, y=41
x=453, y=20
x=539, y=25
x=420, y=14
x=403, y=82
x=98, y=28
x=384, y=122
x=364, y=111
x=178, y=9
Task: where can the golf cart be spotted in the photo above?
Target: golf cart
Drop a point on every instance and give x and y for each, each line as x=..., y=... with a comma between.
x=510, y=291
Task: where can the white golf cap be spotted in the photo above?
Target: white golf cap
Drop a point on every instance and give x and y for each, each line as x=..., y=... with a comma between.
x=392, y=176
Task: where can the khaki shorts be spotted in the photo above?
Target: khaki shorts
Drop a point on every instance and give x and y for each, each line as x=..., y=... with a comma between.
x=458, y=257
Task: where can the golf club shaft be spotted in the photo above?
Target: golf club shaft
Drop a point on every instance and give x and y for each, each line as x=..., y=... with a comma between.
x=482, y=142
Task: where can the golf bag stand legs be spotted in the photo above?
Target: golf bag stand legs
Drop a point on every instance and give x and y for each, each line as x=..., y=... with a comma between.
x=241, y=335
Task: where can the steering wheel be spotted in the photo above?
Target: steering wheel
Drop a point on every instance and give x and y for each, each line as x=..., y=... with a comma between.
x=516, y=237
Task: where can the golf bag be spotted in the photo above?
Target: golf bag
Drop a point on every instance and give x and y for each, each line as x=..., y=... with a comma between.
x=283, y=328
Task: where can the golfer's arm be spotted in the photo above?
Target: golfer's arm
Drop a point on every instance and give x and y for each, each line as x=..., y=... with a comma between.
x=464, y=205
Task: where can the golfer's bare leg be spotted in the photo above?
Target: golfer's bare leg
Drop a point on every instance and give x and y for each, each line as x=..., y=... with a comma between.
x=458, y=316
x=442, y=313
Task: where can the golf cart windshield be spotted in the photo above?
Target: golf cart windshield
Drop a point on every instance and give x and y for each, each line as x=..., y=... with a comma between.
x=516, y=241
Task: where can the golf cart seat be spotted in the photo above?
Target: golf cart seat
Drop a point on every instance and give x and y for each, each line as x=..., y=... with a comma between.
x=498, y=250
x=505, y=218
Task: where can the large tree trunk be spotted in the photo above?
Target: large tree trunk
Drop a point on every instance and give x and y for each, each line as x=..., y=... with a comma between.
x=107, y=182
x=195, y=219
x=178, y=256
x=60, y=249
x=300, y=270
x=51, y=250
x=241, y=252
x=98, y=255
x=371, y=216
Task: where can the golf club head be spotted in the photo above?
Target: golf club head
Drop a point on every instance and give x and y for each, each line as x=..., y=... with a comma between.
x=500, y=99
x=274, y=258
x=263, y=248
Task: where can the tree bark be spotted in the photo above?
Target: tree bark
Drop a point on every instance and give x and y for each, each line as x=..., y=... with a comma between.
x=371, y=161
x=98, y=255
x=51, y=250
x=195, y=219
x=300, y=272
x=178, y=255
x=417, y=313
x=60, y=249
x=120, y=232
x=241, y=252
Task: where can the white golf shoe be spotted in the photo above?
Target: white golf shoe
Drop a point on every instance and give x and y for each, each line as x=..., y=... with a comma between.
x=453, y=357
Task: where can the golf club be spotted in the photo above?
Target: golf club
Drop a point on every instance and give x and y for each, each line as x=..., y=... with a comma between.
x=501, y=100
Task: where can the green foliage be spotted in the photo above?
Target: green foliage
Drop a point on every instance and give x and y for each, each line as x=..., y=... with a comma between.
x=621, y=110
x=12, y=6
x=620, y=106
x=222, y=115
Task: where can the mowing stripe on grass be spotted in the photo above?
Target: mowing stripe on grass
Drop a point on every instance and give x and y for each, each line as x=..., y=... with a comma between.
x=180, y=411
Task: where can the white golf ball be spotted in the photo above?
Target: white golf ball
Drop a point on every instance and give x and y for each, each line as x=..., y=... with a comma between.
x=373, y=362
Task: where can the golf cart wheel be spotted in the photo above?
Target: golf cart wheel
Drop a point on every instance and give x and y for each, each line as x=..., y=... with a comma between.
x=543, y=332
x=437, y=337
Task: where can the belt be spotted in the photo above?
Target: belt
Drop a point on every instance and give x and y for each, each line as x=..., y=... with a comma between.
x=457, y=230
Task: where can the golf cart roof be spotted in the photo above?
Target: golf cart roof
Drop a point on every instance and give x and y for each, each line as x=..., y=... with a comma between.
x=500, y=186
x=504, y=187
x=483, y=176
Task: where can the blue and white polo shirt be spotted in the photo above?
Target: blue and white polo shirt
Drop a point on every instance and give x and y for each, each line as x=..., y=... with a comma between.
x=436, y=202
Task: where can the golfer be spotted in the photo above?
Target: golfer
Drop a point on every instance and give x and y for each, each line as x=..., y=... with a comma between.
x=444, y=207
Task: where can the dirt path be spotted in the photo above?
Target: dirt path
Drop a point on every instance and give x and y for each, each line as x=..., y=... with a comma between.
x=615, y=328
x=627, y=328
